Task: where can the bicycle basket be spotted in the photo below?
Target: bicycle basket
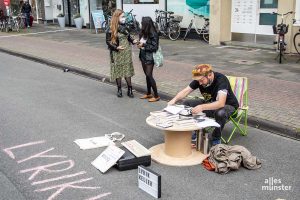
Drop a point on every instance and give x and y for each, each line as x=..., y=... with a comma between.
x=280, y=29
x=177, y=18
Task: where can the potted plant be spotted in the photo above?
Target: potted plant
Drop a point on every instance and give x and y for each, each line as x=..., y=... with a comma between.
x=61, y=20
x=78, y=20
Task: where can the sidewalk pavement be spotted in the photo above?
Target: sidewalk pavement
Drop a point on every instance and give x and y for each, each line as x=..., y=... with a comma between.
x=273, y=88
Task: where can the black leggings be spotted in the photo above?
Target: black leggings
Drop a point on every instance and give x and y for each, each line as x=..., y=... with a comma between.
x=148, y=70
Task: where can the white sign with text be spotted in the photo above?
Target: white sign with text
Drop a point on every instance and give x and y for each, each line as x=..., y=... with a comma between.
x=108, y=158
x=149, y=181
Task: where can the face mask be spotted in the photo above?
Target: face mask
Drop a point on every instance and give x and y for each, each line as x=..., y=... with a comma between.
x=122, y=20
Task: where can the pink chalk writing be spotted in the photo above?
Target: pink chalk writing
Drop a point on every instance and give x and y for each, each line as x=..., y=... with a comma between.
x=99, y=196
x=9, y=152
x=58, y=178
x=45, y=168
x=41, y=155
x=64, y=186
x=52, y=168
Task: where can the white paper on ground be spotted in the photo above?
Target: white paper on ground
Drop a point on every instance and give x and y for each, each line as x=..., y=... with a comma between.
x=108, y=158
x=208, y=123
x=136, y=148
x=94, y=142
x=174, y=109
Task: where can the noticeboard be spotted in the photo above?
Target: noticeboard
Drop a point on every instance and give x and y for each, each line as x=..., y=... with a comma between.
x=98, y=18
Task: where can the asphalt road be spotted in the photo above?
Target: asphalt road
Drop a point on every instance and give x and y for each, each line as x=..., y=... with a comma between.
x=43, y=110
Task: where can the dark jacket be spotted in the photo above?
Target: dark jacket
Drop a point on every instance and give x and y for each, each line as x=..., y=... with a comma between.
x=26, y=8
x=151, y=46
x=113, y=47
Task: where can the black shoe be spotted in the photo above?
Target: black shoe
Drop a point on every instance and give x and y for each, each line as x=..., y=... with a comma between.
x=129, y=93
x=119, y=94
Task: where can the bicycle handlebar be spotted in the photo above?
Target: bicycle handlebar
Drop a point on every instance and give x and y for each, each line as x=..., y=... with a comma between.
x=275, y=13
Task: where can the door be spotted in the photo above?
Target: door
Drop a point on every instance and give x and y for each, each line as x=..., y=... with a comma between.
x=265, y=19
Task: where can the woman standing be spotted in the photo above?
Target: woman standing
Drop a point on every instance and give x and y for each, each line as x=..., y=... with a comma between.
x=148, y=44
x=118, y=40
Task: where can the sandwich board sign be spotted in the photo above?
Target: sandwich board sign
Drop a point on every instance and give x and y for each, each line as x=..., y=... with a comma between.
x=149, y=181
x=98, y=19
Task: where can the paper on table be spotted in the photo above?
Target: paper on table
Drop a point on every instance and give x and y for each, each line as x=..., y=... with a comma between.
x=174, y=109
x=208, y=123
x=95, y=142
x=108, y=158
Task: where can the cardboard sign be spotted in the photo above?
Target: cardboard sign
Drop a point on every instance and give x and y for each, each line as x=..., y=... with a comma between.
x=108, y=158
x=149, y=181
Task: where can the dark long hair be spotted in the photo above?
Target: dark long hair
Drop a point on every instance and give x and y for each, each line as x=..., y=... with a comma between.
x=148, y=28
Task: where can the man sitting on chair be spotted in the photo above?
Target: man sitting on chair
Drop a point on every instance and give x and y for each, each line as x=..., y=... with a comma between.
x=219, y=101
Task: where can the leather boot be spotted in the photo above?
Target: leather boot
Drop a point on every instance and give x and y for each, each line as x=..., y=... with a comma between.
x=129, y=93
x=119, y=94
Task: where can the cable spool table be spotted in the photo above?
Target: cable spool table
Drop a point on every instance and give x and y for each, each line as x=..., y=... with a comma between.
x=177, y=149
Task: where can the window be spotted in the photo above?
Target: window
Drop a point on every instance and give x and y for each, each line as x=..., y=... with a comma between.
x=297, y=14
x=268, y=3
x=140, y=1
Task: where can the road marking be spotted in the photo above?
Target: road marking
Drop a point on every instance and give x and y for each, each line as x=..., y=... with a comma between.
x=8, y=36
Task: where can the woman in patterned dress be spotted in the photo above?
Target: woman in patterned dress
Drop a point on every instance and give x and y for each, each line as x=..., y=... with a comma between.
x=118, y=40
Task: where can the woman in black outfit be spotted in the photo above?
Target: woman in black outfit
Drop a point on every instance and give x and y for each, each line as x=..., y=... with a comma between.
x=148, y=44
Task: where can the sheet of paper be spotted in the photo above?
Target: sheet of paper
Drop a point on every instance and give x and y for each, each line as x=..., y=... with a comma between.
x=94, y=142
x=136, y=148
x=174, y=109
x=108, y=158
x=208, y=123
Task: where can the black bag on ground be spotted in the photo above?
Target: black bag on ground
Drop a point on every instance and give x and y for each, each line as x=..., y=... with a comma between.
x=130, y=161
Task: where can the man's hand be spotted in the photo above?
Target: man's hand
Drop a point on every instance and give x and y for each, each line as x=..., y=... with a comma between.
x=197, y=109
x=120, y=48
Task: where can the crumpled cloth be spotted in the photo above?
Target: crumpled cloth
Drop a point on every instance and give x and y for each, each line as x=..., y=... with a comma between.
x=226, y=158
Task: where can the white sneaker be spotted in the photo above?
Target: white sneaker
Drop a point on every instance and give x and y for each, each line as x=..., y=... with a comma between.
x=28, y=26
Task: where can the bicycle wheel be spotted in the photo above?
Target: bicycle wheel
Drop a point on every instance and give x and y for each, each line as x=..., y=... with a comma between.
x=281, y=50
x=205, y=36
x=104, y=25
x=187, y=31
x=174, y=31
x=297, y=47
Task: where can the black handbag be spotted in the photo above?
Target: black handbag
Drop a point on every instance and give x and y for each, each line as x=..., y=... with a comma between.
x=129, y=161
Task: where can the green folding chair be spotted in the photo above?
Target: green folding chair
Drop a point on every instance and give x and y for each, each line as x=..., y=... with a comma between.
x=239, y=86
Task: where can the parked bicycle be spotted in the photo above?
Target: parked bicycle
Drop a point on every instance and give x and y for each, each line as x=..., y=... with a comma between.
x=295, y=40
x=105, y=25
x=168, y=24
x=202, y=31
x=132, y=24
x=281, y=29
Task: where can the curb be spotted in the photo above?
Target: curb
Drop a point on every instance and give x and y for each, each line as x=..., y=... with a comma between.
x=253, y=121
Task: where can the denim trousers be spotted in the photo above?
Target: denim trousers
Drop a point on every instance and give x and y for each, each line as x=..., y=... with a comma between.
x=27, y=15
x=221, y=115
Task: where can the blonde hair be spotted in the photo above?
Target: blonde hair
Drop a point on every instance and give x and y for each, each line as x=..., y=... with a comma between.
x=114, y=25
x=201, y=70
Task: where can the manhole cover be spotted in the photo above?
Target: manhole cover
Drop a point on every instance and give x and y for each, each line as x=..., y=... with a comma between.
x=245, y=62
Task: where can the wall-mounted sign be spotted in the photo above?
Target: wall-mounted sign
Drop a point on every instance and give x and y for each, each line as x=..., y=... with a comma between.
x=149, y=181
x=243, y=16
